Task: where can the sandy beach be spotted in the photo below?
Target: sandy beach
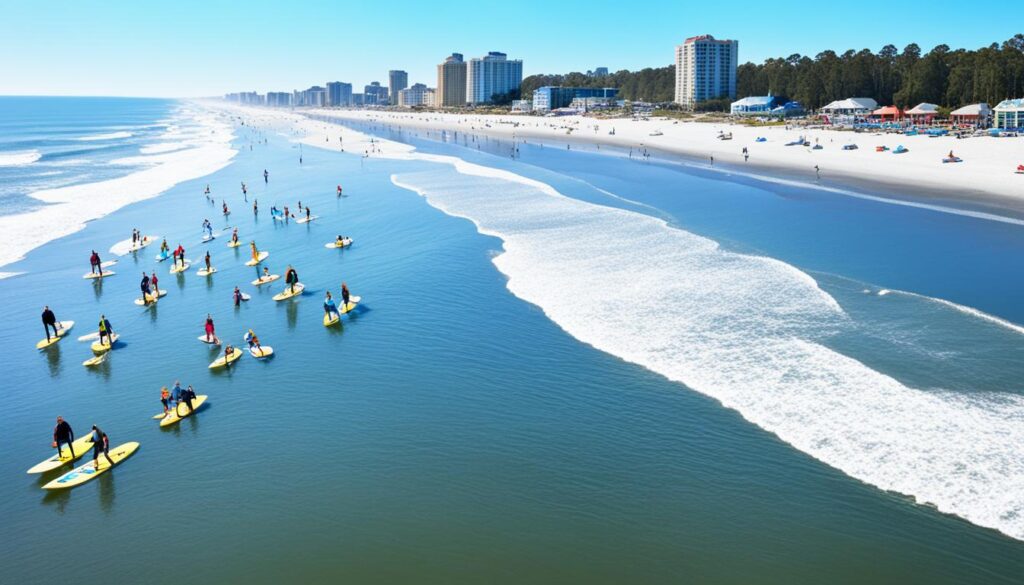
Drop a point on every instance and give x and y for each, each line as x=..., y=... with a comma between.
x=986, y=176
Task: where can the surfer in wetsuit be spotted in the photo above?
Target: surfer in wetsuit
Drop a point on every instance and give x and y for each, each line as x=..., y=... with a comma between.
x=100, y=444
x=207, y=260
x=95, y=264
x=144, y=285
x=344, y=296
x=330, y=307
x=187, y=396
x=291, y=277
x=49, y=321
x=63, y=435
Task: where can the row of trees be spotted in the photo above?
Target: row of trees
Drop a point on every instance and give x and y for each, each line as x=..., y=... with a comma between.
x=942, y=76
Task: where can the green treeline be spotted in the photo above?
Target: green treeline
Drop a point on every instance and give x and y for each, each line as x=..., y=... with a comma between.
x=905, y=78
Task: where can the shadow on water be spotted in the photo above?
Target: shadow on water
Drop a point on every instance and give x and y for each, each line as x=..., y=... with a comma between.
x=209, y=281
x=292, y=313
x=58, y=499
x=53, y=359
x=97, y=287
x=180, y=279
x=102, y=369
x=106, y=491
x=152, y=310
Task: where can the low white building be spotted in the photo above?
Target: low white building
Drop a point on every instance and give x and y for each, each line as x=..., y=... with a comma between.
x=417, y=95
x=850, y=107
x=976, y=115
x=1009, y=114
x=522, y=106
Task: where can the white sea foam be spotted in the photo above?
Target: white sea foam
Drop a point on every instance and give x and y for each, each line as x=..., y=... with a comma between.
x=745, y=330
x=72, y=206
x=999, y=321
x=162, y=147
x=107, y=136
x=19, y=158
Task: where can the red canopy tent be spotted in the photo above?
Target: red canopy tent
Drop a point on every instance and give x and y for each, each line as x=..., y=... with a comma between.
x=888, y=114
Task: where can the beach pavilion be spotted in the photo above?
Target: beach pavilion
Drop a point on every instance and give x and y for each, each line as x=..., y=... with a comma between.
x=850, y=107
x=887, y=114
x=1009, y=114
x=974, y=115
x=923, y=113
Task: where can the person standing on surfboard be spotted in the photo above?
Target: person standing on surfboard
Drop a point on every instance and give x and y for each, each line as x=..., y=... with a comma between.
x=95, y=264
x=211, y=335
x=144, y=285
x=339, y=190
x=291, y=278
x=237, y=295
x=255, y=252
x=49, y=321
x=234, y=236
x=100, y=444
x=307, y=214
x=329, y=306
x=153, y=283
x=105, y=330
x=63, y=434
x=344, y=296
x=266, y=176
x=253, y=341
x=207, y=260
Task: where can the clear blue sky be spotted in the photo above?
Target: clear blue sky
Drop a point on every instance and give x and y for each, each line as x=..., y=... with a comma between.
x=193, y=48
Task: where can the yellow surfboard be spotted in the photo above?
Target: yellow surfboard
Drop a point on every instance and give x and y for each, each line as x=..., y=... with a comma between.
x=260, y=257
x=85, y=473
x=179, y=268
x=264, y=351
x=95, y=360
x=225, y=360
x=288, y=293
x=102, y=346
x=81, y=445
x=331, y=319
x=181, y=411
x=234, y=244
x=162, y=292
x=62, y=329
x=262, y=280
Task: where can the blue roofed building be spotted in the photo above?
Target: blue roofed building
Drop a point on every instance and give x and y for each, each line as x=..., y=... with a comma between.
x=766, y=105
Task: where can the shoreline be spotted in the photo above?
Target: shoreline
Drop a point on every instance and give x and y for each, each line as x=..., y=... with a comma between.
x=917, y=177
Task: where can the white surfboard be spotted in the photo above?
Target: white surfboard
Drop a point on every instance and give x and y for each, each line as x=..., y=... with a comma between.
x=260, y=257
x=205, y=272
x=213, y=340
x=307, y=219
x=97, y=275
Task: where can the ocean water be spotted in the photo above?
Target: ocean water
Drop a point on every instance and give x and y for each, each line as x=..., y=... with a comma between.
x=566, y=368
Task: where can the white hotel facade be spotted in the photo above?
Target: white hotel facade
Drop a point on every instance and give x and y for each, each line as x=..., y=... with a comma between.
x=705, y=69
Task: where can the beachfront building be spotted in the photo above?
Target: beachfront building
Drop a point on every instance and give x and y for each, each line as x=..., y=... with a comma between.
x=522, y=106
x=375, y=94
x=923, y=113
x=973, y=116
x=491, y=75
x=705, y=69
x=417, y=95
x=1009, y=114
x=887, y=114
x=279, y=99
x=339, y=94
x=397, y=81
x=767, y=106
x=550, y=97
x=849, y=109
x=246, y=97
x=315, y=96
x=451, y=82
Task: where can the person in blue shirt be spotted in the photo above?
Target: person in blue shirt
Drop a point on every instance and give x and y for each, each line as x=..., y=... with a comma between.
x=176, y=393
x=329, y=306
x=100, y=444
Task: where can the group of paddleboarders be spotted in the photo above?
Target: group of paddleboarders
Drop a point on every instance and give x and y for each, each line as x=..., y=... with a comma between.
x=150, y=288
x=138, y=239
x=330, y=308
x=177, y=395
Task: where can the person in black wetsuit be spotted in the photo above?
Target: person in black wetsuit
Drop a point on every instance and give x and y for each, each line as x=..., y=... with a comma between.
x=266, y=176
x=187, y=396
x=100, y=444
x=63, y=435
x=144, y=285
x=291, y=278
x=49, y=320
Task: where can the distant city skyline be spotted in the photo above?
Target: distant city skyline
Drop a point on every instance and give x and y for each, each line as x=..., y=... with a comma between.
x=193, y=49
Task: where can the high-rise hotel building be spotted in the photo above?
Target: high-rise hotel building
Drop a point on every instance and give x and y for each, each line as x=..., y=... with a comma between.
x=397, y=81
x=492, y=75
x=451, y=82
x=705, y=69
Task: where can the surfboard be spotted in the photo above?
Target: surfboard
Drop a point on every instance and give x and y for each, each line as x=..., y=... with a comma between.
x=85, y=473
x=260, y=257
x=62, y=329
x=89, y=336
x=213, y=340
x=97, y=275
x=95, y=360
x=205, y=272
x=101, y=347
x=208, y=238
x=344, y=244
x=307, y=219
x=353, y=300
x=108, y=263
x=331, y=319
x=287, y=292
x=244, y=296
x=267, y=352
x=142, y=303
x=146, y=240
x=181, y=411
x=179, y=268
x=225, y=360
x=163, y=256
x=261, y=280
x=234, y=244
x=81, y=447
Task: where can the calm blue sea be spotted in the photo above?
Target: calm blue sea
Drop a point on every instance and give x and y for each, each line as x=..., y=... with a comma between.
x=660, y=375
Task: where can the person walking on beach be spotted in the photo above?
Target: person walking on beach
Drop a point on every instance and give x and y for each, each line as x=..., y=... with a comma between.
x=63, y=435
x=100, y=444
x=105, y=331
x=291, y=278
x=211, y=335
x=95, y=264
x=746, y=155
x=49, y=322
